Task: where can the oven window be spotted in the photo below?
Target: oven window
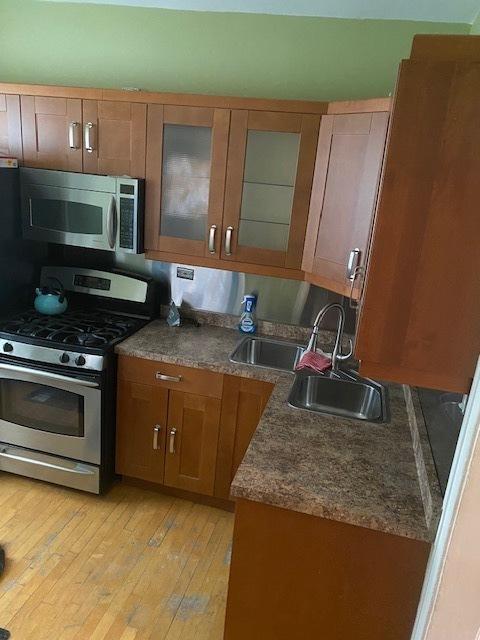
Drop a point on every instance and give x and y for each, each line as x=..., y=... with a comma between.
x=41, y=407
x=69, y=217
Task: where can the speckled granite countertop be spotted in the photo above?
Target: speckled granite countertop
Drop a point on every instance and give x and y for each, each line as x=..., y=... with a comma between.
x=379, y=476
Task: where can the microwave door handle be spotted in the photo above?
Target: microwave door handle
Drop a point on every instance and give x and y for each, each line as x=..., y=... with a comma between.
x=112, y=223
x=53, y=377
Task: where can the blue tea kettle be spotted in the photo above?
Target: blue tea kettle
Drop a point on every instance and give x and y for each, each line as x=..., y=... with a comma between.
x=51, y=301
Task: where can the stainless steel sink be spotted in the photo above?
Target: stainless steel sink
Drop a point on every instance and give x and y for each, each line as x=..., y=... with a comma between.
x=268, y=353
x=348, y=396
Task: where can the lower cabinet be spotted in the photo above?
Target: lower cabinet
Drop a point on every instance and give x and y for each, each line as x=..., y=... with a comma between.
x=182, y=427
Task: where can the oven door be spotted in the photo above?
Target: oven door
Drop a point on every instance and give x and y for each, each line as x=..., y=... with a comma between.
x=50, y=412
x=77, y=217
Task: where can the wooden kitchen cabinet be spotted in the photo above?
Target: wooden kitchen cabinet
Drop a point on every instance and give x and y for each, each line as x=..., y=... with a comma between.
x=271, y=159
x=90, y=136
x=52, y=132
x=114, y=138
x=419, y=320
x=192, y=441
x=141, y=430
x=186, y=165
x=10, y=127
x=242, y=407
x=347, y=173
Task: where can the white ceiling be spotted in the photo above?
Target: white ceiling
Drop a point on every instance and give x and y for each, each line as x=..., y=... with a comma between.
x=464, y=11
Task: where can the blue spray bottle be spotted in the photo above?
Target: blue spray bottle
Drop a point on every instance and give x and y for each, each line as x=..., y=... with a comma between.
x=247, y=322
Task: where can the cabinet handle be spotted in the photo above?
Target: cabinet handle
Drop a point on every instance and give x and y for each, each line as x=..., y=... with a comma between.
x=89, y=137
x=156, y=431
x=73, y=141
x=228, y=241
x=211, y=238
x=163, y=376
x=358, y=272
x=353, y=263
x=171, y=440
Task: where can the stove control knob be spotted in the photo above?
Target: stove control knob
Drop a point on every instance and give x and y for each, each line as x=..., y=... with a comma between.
x=7, y=347
x=80, y=361
x=64, y=358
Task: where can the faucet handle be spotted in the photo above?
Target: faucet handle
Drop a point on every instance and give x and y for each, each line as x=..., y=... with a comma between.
x=349, y=354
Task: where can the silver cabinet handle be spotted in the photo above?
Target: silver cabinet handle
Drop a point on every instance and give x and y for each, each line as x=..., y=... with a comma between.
x=357, y=273
x=73, y=141
x=211, y=238
x=156, y=431
x=171, y=445
x=353, y=263
x=89, y=137
x=163, y=376
x=228, y=241
x=112, y=223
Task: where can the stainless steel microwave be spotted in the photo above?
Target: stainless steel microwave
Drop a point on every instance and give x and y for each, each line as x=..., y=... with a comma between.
x=83, y=210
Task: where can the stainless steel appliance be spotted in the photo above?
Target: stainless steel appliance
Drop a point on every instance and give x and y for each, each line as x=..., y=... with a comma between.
x=98, y=212
x=57, y=378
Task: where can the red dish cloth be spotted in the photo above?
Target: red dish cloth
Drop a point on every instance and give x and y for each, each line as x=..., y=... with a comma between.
x=316, y=361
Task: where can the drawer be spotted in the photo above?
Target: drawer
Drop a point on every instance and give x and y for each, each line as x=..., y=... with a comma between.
x=171, y=376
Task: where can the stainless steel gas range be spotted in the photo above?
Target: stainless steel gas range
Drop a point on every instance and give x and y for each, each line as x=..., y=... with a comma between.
x=58, y=378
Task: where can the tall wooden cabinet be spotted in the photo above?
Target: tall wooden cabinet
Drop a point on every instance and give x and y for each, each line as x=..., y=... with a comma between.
x=347, y=173
x=90, y=136
x=10, y=127
x=420, y=317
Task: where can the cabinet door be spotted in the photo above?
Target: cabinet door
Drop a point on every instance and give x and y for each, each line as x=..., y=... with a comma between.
x=269, y=178
x=52, y=132
x=114, y=138
x=192, y=441
x=186, y=164
x=347, y=172
x=242, y=406
x=420, y=317
x=141, y=428
x=10, y=127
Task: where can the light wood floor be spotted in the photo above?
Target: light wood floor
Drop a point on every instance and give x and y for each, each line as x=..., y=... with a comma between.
x=130, y=565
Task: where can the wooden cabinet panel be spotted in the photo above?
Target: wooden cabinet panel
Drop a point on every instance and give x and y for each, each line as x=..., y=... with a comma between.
x=10, y=127
x=242, y=406
x=347, y=172
x=269, y=177
x=192, y=441
x=45, y=127
x=141, y=428
x=118, y=138
x=199, y=381
x=420, y=318
x=185, y=171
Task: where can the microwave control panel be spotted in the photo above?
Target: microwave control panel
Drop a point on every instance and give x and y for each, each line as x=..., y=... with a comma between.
x=130, y=206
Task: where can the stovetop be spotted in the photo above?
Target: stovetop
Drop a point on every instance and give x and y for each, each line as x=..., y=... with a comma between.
x=88, y=329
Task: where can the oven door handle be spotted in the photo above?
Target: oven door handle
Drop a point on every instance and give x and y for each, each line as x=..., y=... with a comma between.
x=49, y=376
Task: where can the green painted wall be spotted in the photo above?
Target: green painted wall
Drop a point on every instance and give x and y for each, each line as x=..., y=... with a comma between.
x=195, y=52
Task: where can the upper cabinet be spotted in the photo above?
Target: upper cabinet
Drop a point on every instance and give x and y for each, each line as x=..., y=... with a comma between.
x=186, y=165
x=10, y=126
x=420, y=315
x=92, y=136
x=52, y=132
x=347, y=173
x=269, y=178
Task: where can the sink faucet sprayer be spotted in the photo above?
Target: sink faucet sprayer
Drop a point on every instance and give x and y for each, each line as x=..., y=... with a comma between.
x=337, y=349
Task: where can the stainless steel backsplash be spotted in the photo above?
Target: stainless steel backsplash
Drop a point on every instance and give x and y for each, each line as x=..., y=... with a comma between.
x=279, y=299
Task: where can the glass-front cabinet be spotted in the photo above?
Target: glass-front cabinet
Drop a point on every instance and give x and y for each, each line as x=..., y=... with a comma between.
x=269, y=177
x=229, y=185
x=186, y=164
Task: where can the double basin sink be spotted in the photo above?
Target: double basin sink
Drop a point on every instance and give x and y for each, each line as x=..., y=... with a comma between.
x=343, y=393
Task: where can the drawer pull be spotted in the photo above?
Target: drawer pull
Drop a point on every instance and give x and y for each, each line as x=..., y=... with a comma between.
x=163, y=376
x=171, y=446
x=156, y=431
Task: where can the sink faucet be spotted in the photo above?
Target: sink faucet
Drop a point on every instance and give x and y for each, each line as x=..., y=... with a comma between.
x=337, y=349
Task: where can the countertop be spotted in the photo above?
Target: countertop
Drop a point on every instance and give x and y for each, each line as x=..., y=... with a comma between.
x=378, y=476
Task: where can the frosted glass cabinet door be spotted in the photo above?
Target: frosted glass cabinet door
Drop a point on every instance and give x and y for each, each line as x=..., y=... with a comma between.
x=269, y=176
x=186, y=164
